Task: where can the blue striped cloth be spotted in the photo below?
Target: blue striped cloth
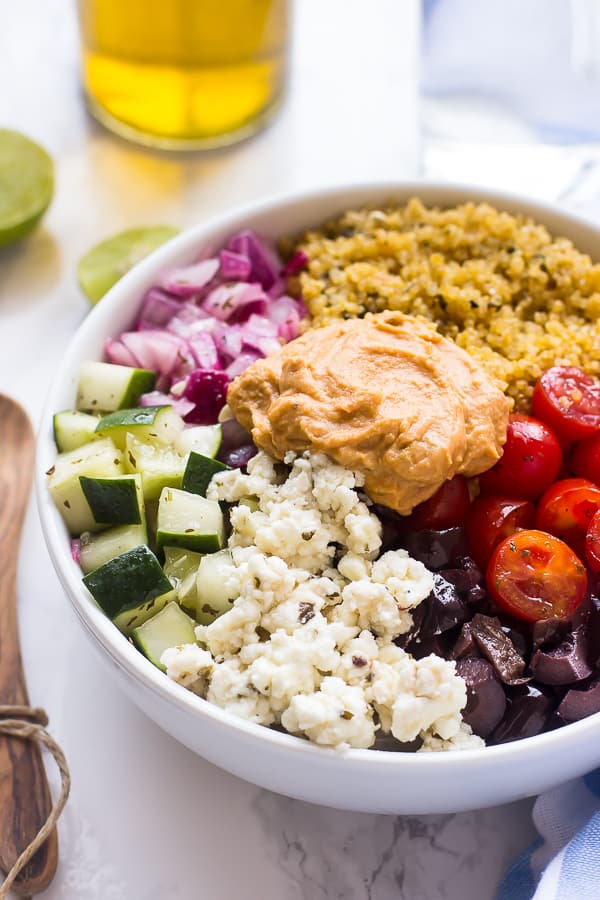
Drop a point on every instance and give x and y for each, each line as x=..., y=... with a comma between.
x=564, y=863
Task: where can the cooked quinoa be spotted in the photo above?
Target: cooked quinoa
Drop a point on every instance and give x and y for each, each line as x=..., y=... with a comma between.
x=500, y=285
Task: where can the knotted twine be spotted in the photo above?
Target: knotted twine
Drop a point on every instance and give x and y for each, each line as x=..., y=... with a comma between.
x=29, y=724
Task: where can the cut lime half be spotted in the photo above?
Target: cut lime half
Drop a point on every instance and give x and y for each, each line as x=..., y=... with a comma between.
x=104, y=264
x=26, y=185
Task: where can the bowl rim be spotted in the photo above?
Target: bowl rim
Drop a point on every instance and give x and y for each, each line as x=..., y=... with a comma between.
x=113, y=643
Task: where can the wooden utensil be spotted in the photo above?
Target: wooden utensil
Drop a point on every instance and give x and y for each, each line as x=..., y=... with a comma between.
x=25, y=800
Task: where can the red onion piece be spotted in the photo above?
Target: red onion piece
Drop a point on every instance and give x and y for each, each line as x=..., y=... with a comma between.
x=295, y=263
x=159, y=398
x=157, y=310
x=117, y=353
x=263, y=259
x=160, y=351
x=234, y=266
x=75, y=550
x=204, y=351
x=243, y=361
x=228, y=341
x=223, y=300
x=187, y=281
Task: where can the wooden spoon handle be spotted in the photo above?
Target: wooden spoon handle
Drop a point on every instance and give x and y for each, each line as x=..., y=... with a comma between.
x=25, y=800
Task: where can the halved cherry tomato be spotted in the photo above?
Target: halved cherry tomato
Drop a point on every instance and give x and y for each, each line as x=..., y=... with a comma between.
x=568, y=400
x=585, y=459
x=490, y=520
x=592, y=544
x=566, y=510
x=530, y=461
x=445, y=509
x=533, y=575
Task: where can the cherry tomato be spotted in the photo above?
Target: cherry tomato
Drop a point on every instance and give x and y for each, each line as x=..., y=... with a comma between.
x=490, y=520
x=592, y=543
x=533, y=575
x=568, y=400
x=447, y=508
x=585, y=459
x=566, y=510
x=530, y=461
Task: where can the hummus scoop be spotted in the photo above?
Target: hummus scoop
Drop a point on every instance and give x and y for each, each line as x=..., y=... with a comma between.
x=386, y=396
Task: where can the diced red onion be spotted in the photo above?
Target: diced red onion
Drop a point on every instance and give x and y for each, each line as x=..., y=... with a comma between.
x=263, y=260
x=234, y=266
x=243, y=313
x=204, y=350
x=295, y=263
x=158, y=308
x=75, y=550
x=189, y=280
x=207, y=390
x=260, y=334
x=160, y=351
x=239, y=365
x=223, y=300
x=228, y=340
x=116, y=352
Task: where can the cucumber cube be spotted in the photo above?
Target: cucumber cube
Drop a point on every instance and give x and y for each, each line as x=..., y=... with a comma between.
x=213, y=598
x=97, y=549
x=154, y=424
x=72, y=429
x=158, y=465
x=199, y=471
x=204, y=439
x=187, y=520
x=171, y=627
x=99, y=459
x=115, y=501
x=130, y=588
x=104, y=387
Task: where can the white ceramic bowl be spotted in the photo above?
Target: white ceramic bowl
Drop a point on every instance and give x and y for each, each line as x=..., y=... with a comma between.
x=362, y=780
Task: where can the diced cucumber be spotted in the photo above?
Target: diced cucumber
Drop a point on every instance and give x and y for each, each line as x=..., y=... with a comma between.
x=187, y=520
x=159, y=466
x=180, y=568
x=133, y=616
x=204, y=439
x=212, y=596
x=115, y=501
x=171, y=627
x=99, y=459
x=199, y=471
x=154, y=424
x=104, y=387
x=72, y=429
x=99, y=548
x=130, y=588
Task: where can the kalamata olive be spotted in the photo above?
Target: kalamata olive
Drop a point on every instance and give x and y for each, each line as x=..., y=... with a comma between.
x=465, y=646
x=498, y=648
x=465, y=576
x=548, y=633
x=435, y=549
x=580, y=703
x=527, y=711
x=486, y=701
x=239, y=457
x=565, y=663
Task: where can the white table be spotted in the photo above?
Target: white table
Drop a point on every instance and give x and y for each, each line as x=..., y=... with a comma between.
x=147, y=819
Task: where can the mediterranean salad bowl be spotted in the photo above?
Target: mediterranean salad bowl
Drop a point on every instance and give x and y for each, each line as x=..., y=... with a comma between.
x=339, y=772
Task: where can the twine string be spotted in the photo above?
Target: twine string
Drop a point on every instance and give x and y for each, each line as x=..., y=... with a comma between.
x=29, y=724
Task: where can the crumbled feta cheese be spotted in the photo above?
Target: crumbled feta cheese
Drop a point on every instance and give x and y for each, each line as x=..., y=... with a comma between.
x=308, y=643
x=464, y=739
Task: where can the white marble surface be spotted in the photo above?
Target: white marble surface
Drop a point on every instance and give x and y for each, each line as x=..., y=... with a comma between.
x=146, y=818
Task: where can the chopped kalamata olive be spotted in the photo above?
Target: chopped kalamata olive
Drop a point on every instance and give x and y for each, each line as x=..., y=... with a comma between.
x=465, y=576
x=564, y=664
x=465, y=646
x=499, y=649
x=474, y=595
x=526, y=714
x=444, y=607
x=549, y=633
x=486, y=701
x=579, y=703
x=435, y=549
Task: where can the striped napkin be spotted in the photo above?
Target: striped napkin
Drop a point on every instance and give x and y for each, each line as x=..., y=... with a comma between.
x=564, y=862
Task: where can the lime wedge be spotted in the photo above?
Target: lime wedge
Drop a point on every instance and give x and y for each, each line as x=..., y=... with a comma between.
x=26, y=185
x=104, y=264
